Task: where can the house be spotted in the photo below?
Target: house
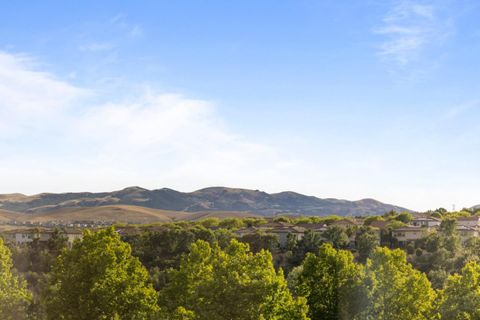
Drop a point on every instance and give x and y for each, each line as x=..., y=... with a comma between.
x=473, y=221
x=282, y=230
x=245, y=231
x=275, y=224
x=409, y=234
x=426, y=222
x=73, y=235
x=466, y=233
x=24, y=236
x=284, y=233
x=344, y=223
x=315, y=227
x=379, y=224
x=379, y=227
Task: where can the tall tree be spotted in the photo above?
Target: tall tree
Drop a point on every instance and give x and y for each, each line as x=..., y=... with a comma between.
x=99, y=279
x=337, y=236
x=234, y=283
x=332, y=283
x=367, y=240
x=396, y=291
x=461, y=297
x=14, y=296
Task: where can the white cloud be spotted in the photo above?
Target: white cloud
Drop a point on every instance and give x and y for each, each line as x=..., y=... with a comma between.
x=29, y=97
x=152, y=139
x=52, y=139
x=411, y=28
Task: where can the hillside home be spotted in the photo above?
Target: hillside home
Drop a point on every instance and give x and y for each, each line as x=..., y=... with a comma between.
x=23, y=236
x=283, y=234
x=409, y=234
x=345, y=223
x=426, y=222
x=473, y=222
x=245, y=231
x=315, y=227
x=73, y=235
x=466, y=233
x=379, y=224
x=281, y=229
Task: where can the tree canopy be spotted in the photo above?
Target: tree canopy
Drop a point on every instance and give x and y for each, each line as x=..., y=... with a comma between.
x=332, y=283
x=233, y=283
x=14, y=296
x=99, y=279
x=396, y=291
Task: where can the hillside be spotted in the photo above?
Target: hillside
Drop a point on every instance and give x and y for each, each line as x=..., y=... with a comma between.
x=214, y=199
x=9, y=216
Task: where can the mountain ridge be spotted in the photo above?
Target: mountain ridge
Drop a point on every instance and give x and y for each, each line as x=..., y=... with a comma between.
x=202, y=200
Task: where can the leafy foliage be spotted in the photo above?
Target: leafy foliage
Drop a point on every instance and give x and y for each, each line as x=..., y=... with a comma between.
x=332, y=283
x=99, y=279
x=396, y=291
x=234, y=283
x=14, y=296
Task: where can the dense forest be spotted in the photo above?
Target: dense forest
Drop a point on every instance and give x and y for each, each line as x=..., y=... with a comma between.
x=206, y=270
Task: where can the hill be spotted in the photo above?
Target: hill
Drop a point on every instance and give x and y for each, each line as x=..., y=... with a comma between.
x=9, y=216
x=214, y=199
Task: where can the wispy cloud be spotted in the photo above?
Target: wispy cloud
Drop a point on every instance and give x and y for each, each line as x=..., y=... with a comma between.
x=29, y=97
x=132, y=30
x=135, y=32
x=409, y=29
x=152, y=138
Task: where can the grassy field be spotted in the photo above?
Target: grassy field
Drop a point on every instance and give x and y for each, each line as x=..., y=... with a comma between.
x=119, y=213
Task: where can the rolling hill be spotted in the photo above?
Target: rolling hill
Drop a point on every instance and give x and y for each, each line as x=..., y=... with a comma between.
x=166, y=204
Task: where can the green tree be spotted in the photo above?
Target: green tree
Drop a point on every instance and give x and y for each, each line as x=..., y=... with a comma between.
x=332, y=283
x=233, y=283
x=451, y=240
x=404, y=217
x=461, y=297
x=259, y=241
x=337, y=236
x=366, y=241
x=99, y=279
x=396, y=291
x=368, y=220
x=232, y=223
x=14, y=296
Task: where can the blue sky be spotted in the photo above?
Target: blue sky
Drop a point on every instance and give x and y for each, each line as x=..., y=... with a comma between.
x=344, y=99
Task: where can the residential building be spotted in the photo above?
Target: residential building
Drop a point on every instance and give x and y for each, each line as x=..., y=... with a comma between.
x=466, y=233
x=473, y=221
x=409, y=234
x=426, y=222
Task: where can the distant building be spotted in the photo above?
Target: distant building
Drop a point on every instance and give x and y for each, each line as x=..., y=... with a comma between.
x=466, y=233
x=24, y=236
x=345, y=223
x=282, y=230
x=409, y=234
x=426, y=222
x=473, y=221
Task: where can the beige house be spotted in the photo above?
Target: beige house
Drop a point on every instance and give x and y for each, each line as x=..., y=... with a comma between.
x=409, y=234
x=315, y=227
x=345, y=223
x=281, y=229
x=472, y=222
x=426, y=222
x=23, y=236
x=284, y=232
x=466, y=233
